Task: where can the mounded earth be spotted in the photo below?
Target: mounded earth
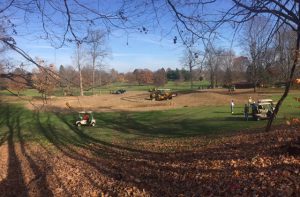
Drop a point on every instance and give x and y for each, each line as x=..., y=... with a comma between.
x=139, y=101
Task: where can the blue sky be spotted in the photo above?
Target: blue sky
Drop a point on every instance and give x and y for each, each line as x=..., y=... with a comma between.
x=142, y=51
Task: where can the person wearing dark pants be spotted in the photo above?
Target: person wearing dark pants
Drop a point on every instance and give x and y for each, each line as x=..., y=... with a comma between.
x=246, y=111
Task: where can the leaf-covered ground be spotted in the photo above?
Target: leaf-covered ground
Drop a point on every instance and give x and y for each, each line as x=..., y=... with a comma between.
x=252, y=164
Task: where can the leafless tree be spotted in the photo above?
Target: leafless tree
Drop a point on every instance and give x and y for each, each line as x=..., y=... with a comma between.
x=44, y=79
x=284, y=47
x=192, y=58
x=96, y=50
x=79, y=61
x=227, y=66
x=256, y=43
x=239, y=67
x=100, y=68
x=113, y=75
x=68, y=79
x=213, y=62
x=18, y=82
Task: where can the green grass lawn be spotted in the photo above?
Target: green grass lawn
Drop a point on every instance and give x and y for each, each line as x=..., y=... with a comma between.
x=50, y=127
x=26, y=92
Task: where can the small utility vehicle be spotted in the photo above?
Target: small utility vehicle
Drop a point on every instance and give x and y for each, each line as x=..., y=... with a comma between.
x=120, y=91
x=273, y=103
x=262, y=110
x=85, y=118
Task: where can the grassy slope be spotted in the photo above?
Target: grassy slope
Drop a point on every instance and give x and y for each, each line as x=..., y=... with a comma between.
x=185, y=122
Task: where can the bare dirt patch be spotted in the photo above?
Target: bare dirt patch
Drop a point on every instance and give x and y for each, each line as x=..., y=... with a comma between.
x=139, y=101
x=245, y=164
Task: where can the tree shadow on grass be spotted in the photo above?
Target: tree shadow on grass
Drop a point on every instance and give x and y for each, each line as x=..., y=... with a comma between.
x=40, y=171
x=203, y=172
x=3, y=138
x=108, y=155
x=14, y=184
x=173, y=127
x=85, y=139
x=164, y=174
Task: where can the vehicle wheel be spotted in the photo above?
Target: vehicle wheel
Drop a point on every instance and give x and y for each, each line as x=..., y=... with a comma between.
x=79, y=124
x=93, y=124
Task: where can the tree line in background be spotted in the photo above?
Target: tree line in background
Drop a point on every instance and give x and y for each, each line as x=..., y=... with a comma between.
x=220, y=67
x=266, y=62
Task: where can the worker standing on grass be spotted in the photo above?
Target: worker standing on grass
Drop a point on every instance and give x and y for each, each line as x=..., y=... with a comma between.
x=246, y=111
x=231, y=106
x=250, y=101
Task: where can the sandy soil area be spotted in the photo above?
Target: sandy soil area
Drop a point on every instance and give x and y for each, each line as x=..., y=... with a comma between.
x=139, y=101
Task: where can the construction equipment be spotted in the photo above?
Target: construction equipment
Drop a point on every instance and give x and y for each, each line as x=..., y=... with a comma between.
x=120, y=91
x=162, y=94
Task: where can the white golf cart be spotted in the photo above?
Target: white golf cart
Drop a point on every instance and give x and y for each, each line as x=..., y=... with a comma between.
x=262, y=110
x=85, y=118
x=273, y=103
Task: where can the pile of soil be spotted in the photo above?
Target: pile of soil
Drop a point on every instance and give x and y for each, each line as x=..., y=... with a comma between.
x=139, y=101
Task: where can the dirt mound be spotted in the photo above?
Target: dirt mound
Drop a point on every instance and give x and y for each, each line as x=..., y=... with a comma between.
x=139, y=101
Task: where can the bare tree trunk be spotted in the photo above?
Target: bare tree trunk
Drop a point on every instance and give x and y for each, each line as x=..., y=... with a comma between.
x=93, y=83
x=79, y=69
x=80, y=82
x=100, y=83
x=44, y=96
x=289, y=81
x=212, y=81
x=191, y=74
x=254, y=76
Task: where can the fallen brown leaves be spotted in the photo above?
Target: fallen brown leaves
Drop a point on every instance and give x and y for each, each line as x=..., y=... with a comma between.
x=255, y=164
